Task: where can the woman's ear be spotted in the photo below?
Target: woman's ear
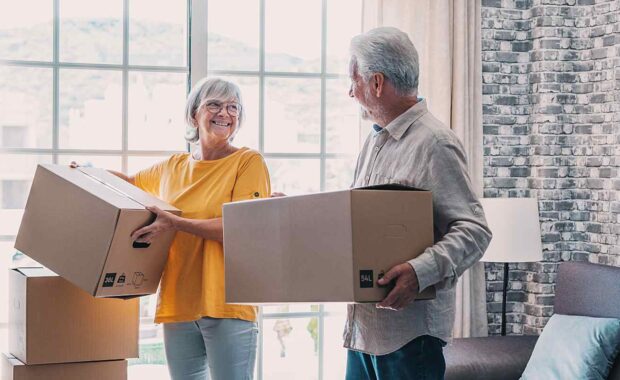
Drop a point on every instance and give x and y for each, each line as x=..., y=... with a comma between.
x=191, y=129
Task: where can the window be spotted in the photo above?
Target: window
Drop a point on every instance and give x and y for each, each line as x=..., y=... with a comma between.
x=104, y=83
x=14, y=194
x=13, y=136
x=99, y=82
x=290, y=59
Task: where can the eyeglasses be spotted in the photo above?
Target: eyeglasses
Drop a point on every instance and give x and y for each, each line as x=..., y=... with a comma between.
x=215, y=107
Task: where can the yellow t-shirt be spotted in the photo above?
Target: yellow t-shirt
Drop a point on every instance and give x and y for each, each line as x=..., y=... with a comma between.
x=192, y=285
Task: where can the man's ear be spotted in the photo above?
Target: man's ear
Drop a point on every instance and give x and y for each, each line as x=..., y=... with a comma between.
x=378, y=81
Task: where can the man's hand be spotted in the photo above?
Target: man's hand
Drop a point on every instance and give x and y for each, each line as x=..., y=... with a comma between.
x=165, y=221
x=405, y=289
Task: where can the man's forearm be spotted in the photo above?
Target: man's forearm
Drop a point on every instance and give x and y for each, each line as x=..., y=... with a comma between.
x=444, y=262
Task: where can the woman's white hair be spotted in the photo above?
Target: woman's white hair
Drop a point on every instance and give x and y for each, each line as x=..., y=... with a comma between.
x=389, y=51
x=210, y=89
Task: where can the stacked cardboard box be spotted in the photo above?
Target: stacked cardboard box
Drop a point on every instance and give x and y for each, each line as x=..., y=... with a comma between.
x=78, y=223
x=13, y=369
x=53, y=325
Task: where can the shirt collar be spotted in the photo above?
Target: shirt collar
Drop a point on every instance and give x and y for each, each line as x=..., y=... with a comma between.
x=397, y=127
x=376, y=129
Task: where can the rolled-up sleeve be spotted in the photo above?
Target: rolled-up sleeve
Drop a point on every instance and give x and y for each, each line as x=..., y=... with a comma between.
x=252, y=180
x=149, y=179
x=461, y=231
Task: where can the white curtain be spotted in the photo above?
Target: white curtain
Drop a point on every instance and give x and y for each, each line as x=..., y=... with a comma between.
x=447, y=35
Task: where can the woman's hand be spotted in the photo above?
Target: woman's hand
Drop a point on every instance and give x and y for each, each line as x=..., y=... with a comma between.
x=165, y=221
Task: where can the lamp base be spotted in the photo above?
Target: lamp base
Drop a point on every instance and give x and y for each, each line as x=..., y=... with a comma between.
x=504, y=296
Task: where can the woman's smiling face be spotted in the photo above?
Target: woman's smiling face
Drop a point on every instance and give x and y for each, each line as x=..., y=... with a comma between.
x=217, y=119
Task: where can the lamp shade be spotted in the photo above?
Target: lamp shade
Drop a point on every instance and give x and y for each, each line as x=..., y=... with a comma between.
x=516, y=230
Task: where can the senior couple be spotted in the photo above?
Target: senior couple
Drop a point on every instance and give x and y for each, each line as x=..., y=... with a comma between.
x=395, y=339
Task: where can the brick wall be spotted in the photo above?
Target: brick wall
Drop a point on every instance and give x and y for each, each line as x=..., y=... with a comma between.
x=551, y=106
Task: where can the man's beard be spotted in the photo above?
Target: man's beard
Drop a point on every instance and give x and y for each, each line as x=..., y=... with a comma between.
x=364, y=114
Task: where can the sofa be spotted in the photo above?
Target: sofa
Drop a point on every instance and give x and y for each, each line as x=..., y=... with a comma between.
x=581, y=289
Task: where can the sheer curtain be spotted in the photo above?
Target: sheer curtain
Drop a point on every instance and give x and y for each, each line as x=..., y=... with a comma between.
x=447, y=34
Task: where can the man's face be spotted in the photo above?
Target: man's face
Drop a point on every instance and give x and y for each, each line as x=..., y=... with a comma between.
x=360, y=90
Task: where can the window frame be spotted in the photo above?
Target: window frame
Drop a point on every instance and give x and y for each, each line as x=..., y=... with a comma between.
x=56, y=65
x=199, y=69
x=124, y=67
x=195, y=68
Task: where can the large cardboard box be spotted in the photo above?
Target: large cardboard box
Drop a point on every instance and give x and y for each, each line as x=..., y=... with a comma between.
x=78, y=222
x=328, y=247
x=13, y=369
x=52, y=321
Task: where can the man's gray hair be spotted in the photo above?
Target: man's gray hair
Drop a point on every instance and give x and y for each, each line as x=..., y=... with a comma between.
x=389, y=51
x=209, y=89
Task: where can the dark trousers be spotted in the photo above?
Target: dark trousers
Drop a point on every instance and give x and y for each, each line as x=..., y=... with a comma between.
x=420, y=359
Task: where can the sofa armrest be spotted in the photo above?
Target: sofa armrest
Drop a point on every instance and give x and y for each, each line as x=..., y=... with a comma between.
x=489, y=358
x=614, y=374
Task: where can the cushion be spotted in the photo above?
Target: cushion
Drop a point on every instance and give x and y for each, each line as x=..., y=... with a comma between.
x=574, y=347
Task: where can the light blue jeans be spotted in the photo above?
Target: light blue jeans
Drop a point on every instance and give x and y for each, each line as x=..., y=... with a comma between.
x=210, y=348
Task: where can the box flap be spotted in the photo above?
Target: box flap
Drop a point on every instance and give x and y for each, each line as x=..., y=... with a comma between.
x=8, y=366
x=13, y=361
x=128, y=190
x=35, y=272
x=389, y=186
x=17, y=314
x=92, y=186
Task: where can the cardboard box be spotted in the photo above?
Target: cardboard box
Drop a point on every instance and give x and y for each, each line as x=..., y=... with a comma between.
x=328, y=247
x=13, y=369
x=52, y=321
x=78, y=222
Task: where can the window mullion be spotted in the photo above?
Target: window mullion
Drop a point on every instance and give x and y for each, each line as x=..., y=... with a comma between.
x=125, y=110
x=259, y=361
x=55, y=81
x=323, y=92
x=94, y=66
x=275, y=74
x=321, y=319
x=321, y=344
x=198, y=37
x=261, y=80
x=261, y=149
x=188, y=61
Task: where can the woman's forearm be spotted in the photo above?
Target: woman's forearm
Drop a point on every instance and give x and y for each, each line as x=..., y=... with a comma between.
x=209, y=229
x=123, y=176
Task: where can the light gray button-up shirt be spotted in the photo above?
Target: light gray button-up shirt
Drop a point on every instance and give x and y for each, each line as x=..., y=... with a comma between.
x=417, y=150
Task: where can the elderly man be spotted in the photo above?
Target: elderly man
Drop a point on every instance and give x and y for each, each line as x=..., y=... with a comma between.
x=399, y=338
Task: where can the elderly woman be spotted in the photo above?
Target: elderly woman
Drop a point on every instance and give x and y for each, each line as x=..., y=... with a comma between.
x=200, y=329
